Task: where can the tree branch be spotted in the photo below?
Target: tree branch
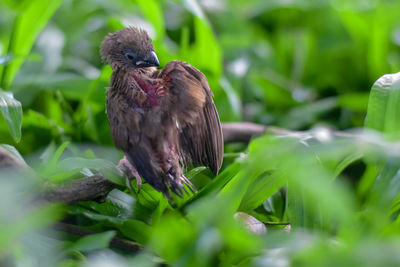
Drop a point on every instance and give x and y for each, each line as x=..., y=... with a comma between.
x=97, y=187
x=241, y=131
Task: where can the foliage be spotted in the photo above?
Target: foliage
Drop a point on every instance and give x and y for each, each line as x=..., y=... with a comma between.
x=294, y=64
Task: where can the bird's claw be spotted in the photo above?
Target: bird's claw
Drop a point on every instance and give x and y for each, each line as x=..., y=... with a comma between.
x=130, y=172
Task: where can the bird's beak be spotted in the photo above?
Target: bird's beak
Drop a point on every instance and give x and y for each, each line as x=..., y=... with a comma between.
x=150, y=60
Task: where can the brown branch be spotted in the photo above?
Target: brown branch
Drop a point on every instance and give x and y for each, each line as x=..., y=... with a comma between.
x=245, y=131
x=95, y=187
x=241, y=131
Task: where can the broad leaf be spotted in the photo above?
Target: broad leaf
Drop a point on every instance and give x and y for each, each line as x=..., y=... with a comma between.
x=93, y=242
x=12, y=113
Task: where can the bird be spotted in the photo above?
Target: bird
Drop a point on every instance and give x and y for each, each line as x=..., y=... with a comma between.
x=164, y=120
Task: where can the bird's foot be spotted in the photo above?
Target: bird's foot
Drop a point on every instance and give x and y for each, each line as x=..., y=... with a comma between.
x=130, y=172
x=177, y=185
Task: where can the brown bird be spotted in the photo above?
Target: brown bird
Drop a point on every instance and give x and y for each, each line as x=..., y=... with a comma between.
x=162, y=120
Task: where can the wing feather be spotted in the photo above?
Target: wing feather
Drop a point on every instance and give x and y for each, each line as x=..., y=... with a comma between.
x=201, y=140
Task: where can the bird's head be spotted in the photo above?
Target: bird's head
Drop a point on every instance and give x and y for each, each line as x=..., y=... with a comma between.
x=129, y=48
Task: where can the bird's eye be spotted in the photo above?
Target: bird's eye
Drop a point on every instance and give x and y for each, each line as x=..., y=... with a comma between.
x=130, y=55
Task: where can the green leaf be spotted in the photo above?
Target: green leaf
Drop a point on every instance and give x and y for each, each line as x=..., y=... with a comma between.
x=13, y=151
x=122, y=206
x=193, y=7
x=93, y=242
x=34, y=118
x=135, y=230
x=12, y=113
x=346, y=162
x=384, y=105
x=27, y=26
x=4, y=60
x=206, y=44
x=357, y=102
x=195, y=171
x=218, y=182
x=377, y=104
x=152, y=10
x=31, y=220
x=392, y=118
x=260, y=190
x=51, y=165
x=105, y=167
x=172, y=236
x=98, y=217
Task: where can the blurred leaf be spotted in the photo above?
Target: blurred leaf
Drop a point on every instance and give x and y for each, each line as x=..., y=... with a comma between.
x=172, y=237
x=73, y=86
x=301, y=116
x=105, y=167
x=206, y=44
x=195, y=171
x=354, y=101
x=27, y=27
x=48, y=153
x=192, y=6
x=93, y=242
x=310, y=184
x=33, y=118
x=251, y=223
x=346, y=162
x=13, y=151
x=51, y=165
x=4, y=60
x=367, y=179
x=260, y=190
x=235, y=105
x=114, y=221
x=392, y=117
x=384, y=105
x=32, y=220
x=217, y=183
x=12, y=113
x=121, y=205
x=152, y=10
x=135, y=230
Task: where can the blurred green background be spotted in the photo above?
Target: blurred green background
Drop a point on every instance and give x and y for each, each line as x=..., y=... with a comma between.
x=296, y=64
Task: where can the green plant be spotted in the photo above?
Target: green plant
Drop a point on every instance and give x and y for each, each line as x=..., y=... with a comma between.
x=328, y=196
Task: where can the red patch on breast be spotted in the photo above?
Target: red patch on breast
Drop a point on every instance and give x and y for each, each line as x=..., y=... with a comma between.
x=148, y=88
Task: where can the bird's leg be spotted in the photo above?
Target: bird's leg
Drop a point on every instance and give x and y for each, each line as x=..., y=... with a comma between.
x=130, y=172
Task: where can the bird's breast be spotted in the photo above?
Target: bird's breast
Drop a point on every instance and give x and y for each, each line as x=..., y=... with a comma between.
x=151, y=90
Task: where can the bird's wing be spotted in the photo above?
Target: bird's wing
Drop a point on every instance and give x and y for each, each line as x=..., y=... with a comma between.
x=201, y=140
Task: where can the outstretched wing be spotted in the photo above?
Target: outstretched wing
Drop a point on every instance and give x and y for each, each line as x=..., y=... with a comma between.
x=201, y=141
